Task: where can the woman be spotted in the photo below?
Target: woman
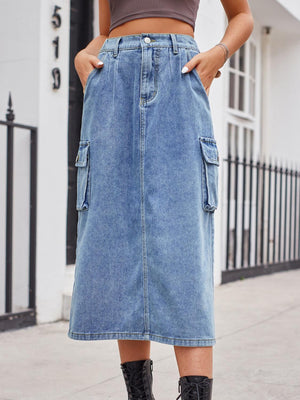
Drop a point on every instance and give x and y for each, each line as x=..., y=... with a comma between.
x=147, y=183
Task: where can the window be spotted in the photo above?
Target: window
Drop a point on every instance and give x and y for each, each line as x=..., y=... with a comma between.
x=242, y=65
x=243, y=140
x=240, y=141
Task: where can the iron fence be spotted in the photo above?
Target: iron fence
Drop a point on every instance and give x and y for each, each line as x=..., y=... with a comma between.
x=26, y=317
x=262, y=218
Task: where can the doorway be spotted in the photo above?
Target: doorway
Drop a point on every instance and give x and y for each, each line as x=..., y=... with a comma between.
x=81, y=33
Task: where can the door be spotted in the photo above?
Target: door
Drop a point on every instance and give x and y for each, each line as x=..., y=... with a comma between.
x=81, y=33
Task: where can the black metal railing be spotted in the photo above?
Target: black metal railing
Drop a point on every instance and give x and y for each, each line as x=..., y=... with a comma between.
x=26, y=317
x=262, y=218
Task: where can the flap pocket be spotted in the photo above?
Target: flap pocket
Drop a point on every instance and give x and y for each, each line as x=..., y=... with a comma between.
x=83, y=176
x=82, y=154
x=209, y=150
x=210, y=172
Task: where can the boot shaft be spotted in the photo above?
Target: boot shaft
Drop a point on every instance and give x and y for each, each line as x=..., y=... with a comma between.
x=138, y=379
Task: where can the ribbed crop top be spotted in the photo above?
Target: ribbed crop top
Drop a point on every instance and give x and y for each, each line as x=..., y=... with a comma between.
x=125, y=10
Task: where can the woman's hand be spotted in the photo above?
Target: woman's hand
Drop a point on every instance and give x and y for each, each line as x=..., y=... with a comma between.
x=207, y=65
x=84, y=65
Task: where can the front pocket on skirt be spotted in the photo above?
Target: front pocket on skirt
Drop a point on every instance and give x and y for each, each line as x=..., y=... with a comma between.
x=93, y=72
x=101, y=57
x=210, y=172
x=82, y=162
x=191, y=54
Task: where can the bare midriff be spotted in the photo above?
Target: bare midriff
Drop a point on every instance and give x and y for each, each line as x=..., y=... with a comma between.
x=152, y=25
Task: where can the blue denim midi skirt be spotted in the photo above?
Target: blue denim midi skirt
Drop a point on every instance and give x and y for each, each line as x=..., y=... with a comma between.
x=147, y=189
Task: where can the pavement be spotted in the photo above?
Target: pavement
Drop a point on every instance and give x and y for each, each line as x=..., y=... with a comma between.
x=257, y=354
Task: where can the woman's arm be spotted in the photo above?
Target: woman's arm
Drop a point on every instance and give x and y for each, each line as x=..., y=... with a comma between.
x=86, y=59
x=240, y=24
x=239, y=28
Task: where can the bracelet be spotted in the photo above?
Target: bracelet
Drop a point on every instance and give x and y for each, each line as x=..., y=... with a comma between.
x=226, y=50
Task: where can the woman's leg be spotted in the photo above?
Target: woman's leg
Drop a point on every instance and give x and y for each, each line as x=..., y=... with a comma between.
x=132, y=350
x=137, y=368
x=194, y=360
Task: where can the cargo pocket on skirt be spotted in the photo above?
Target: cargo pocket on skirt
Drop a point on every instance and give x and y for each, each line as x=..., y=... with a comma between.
x=82, y=162
x=210, y=173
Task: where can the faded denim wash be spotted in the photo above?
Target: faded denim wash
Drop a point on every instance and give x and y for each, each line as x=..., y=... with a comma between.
x=147, y=190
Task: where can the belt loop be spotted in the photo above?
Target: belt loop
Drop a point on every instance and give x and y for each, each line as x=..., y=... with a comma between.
x=174, y=43
x=116, y=47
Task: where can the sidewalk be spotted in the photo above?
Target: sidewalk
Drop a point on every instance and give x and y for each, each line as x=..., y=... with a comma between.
x=257, y=355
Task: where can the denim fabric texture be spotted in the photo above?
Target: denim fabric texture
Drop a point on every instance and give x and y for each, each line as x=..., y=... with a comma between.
x=147, y=189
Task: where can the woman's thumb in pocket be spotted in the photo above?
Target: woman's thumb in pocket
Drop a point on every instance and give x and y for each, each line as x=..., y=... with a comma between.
x=96, y=62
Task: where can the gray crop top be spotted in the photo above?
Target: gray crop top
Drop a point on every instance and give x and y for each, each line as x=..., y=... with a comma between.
x=125, y=10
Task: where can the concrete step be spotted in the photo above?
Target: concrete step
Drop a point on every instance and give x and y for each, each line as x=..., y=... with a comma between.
x=67, y=294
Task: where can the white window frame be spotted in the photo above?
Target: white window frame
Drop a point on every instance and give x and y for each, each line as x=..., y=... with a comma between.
x=244, y=118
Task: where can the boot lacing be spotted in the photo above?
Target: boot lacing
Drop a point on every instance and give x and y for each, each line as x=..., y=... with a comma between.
x=137, y=390
x=136, y=384
x=200, y=390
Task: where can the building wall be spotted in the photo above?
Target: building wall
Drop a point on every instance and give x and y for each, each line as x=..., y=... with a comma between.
x=19, y=63
x=53, y=164
x=19, y=72
x=283, y=135
x=27, y=58
x=292, y=6
x=280, y=63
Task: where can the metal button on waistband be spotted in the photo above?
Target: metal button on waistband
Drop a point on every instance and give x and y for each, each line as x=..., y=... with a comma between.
x=147, y=39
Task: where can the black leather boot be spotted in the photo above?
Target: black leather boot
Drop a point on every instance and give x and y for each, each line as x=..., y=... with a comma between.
x=195, y=387
x=138, y=379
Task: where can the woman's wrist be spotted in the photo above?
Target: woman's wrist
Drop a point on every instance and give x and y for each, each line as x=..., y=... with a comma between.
x=94, y=47
x=218, y=53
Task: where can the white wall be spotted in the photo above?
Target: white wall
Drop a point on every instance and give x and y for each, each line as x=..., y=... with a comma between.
x=19, y=72
x=19, y=39
x=27, y=58
x=292, y=6
x=284, y=124
x=53, y=165
x=280, y=79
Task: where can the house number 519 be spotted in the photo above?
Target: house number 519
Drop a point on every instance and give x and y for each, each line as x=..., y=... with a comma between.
x=56, y=23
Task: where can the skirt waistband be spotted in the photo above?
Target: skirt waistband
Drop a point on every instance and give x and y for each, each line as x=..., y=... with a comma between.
x=144, y=40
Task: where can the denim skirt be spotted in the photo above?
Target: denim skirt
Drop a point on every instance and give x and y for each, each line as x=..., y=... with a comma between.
x=147, y=189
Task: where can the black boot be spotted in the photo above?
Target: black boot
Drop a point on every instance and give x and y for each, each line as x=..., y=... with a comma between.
x=195, y=387
x=138, y=379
